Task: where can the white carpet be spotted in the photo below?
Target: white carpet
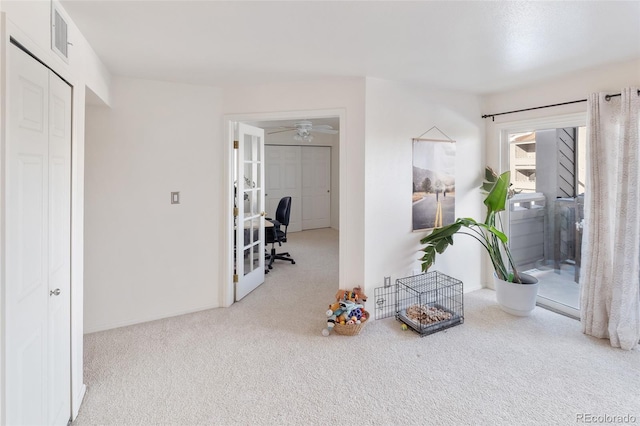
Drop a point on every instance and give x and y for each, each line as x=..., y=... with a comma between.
x=264, y=362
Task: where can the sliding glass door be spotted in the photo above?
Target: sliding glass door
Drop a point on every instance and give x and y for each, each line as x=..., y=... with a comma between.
x=548, y=173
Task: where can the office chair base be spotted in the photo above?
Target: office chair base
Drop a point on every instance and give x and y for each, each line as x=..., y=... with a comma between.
x=281, y=256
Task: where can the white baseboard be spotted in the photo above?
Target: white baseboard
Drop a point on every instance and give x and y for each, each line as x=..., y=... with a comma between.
x=118, y=324
x=469, y=289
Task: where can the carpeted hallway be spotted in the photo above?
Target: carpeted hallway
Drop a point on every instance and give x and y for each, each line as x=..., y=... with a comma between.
x=263, y=361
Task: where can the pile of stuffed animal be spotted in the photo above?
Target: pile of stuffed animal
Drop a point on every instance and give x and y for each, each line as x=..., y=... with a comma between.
x=348, y=309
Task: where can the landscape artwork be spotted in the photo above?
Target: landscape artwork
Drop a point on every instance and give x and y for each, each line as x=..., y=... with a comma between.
x=434, y=183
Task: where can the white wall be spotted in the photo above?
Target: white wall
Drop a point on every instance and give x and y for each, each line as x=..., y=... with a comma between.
x=29, y=23
x=145, y=258
x=33, y=17
x=396, y=113
x=129, y=247
x=610, y=78
x=263, y=102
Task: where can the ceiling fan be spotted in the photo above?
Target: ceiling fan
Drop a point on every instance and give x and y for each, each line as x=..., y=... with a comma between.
x=303, y=130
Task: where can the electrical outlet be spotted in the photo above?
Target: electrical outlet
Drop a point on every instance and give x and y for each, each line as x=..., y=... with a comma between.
x=387, y=281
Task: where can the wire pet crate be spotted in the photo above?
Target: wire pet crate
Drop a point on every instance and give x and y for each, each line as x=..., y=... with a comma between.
x=429, y=302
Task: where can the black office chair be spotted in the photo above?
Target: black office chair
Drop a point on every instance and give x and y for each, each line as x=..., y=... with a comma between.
x=276, y=234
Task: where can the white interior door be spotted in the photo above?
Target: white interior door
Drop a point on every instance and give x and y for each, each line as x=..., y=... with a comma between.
x=316, y=187
x=59, y=311
x=26, y=240
x=37, y=184
x=283, y=177
x=249, y=201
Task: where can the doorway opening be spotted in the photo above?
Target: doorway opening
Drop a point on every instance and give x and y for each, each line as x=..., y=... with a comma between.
x=304, y=168
x=308, y=171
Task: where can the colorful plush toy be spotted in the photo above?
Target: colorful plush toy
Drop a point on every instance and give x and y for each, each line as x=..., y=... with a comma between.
x=359, y=294
x=356, y=295
x=347, y=309
x=340, y=312
x=357, y=313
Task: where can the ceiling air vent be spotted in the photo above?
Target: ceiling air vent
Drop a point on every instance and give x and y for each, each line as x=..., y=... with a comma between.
x=59, y=42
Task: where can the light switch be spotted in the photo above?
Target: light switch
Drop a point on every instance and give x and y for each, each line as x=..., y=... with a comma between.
x=175, y=198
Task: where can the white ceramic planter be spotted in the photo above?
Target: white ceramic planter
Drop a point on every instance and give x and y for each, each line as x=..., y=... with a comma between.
x=517, y=299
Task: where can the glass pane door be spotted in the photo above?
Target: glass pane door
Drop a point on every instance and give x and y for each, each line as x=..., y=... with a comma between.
x=250, y=254
x=545, y=218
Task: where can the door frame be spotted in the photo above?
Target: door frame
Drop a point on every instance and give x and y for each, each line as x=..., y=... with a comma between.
x=10, y=30
x=502, y=131
x=226, y=271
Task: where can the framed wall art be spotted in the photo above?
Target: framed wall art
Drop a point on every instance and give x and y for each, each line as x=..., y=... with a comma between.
x=434, y=182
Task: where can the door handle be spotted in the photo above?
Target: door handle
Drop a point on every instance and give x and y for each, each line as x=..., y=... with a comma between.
x=55, y=292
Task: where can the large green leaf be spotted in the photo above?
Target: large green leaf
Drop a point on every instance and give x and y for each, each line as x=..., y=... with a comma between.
x=467, y=221
x=490, y=178
x=497, y=198
x=487, y=186
x=428, y=258
x=445, y=231
x=495, y=231
x=490, y=175
x=442, y=244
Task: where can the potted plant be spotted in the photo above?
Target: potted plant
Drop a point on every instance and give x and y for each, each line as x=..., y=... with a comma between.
x=516, y=292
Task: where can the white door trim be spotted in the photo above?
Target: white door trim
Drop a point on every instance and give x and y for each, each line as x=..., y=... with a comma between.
x=502, y=130
x=9, y=30
x=56, y=142
x=226, y=295
x=501, y=133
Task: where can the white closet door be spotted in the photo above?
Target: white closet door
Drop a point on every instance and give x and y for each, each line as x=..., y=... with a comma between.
x=36, y=246
x=59, y=250
x=283, y=177
x=316, y=187
x=26, y=252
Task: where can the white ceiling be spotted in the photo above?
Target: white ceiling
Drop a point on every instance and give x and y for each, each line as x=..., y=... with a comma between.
x=480, y=47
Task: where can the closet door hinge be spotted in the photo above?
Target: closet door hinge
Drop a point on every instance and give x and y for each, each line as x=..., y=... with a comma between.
x=235, y=278
x=236, y=144
x=235, y=212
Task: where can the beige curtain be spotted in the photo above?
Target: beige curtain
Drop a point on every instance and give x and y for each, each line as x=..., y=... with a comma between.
x=610, y=275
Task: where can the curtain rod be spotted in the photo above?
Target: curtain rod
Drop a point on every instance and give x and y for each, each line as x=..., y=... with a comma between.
x=606, y=98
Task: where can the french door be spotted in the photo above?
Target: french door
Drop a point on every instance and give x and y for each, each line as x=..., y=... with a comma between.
x=249, y=208
x=37, y=244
